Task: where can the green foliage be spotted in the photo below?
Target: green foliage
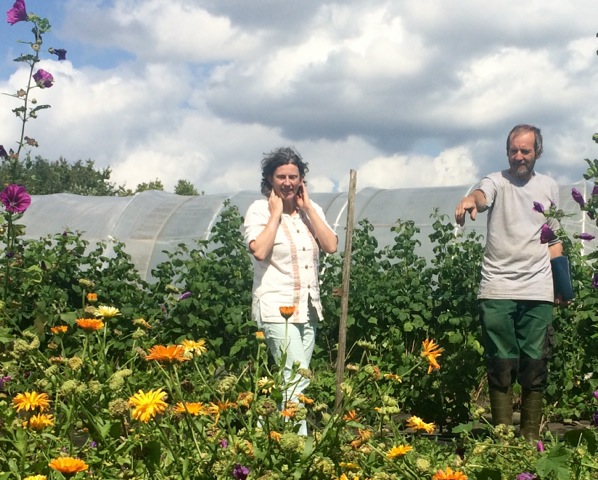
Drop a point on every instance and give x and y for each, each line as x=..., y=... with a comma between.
x=216, y=275
x=43, y=177
x=152, y=185
x=185, y=187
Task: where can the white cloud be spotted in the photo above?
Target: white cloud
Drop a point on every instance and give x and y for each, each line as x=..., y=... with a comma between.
x=452, y=167
x=405, y=93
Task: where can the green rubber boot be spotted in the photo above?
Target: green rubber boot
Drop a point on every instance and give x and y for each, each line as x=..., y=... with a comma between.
x=532, y=404
x=501, y=406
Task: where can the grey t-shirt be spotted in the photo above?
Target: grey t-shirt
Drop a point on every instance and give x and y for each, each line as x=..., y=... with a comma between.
x=516, y=265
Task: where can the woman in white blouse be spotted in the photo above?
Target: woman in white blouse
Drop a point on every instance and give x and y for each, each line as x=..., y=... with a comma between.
x=285, y=232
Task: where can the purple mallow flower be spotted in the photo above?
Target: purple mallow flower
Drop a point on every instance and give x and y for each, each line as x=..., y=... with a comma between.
x=59, y=52
x=596, y=394
x=18, y=13
x=526, y=476
x=540, y=446
x=595, y=280
x=240, y=472
x=586, y=236
x=538, y=207
x=595, y=190
x=223, y=443
x=546, y=234
x=3, y=380
x=43, y=79
x=594, y=420
x=15, y=198
x=578, y=197
x=184, y=295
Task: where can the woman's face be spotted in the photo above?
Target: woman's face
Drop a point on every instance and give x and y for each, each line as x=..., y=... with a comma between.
x=286, y=181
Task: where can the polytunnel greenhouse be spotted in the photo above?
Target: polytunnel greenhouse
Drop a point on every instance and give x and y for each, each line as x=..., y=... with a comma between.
x=152, y=222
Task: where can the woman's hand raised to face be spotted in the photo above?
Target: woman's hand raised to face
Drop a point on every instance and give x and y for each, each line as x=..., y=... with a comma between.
x=275, y=204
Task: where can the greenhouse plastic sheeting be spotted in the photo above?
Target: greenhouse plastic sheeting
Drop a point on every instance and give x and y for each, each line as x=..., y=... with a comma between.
x=152, y=222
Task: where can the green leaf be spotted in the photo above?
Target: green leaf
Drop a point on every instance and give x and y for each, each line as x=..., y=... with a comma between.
x=554, y=462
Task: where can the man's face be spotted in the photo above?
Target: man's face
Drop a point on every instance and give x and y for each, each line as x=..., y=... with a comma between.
x=522, y=156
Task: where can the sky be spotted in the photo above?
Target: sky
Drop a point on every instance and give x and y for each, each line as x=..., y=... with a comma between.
x=408, y=93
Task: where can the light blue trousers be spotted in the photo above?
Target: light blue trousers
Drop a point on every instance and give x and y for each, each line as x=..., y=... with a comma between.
x=297, y=340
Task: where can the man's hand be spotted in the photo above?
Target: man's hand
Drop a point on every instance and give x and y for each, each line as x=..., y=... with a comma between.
x=468, y=204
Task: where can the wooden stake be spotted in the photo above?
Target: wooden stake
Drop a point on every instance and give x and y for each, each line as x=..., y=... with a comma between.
x=342, y=327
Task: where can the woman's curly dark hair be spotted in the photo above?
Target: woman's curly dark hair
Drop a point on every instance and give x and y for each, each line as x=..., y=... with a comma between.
x=276, y=158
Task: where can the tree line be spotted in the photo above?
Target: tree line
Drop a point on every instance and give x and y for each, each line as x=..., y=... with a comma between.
x=44, y=177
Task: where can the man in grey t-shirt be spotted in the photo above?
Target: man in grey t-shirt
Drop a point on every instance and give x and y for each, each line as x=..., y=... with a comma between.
x=516, y=292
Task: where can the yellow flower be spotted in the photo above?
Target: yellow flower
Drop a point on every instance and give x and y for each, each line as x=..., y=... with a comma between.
x=349, y=465
x=59, y=329
x=142, y=323
x=106, y=312
x=193, y=347
x=36, y=477
x=393, y=376
x=275, y=436
x=431, y=351
x=90, y=324
x=398, y=451
x=167, y=354
x=68, y=465
x=417, y=423
x=245, y=399
x=448, y=474
x=30, y=401
x=39, y=422
x=266, y=384
x=148, y=405
x=92, y=297
x=259, y=336
x=192, y=408
x=287, y=312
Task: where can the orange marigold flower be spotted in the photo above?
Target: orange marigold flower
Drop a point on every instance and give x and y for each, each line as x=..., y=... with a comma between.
x=92, y=297
x=59, y=329
x=226, y=405
x=305, y=400
x=448, y=474
x=291, y=410
x=430, y=347
x=192, y=408
x=287, y=312
x=39, y=422
x=260, y=336
x=431, y=351
x=275, y=436
x=363, y=436
x=148, y=405
x=351, y=416
x=68, y=465
x=167, y=354
x=398, y=451
x=417, y=423
x=90, y=324
x=30, y=401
